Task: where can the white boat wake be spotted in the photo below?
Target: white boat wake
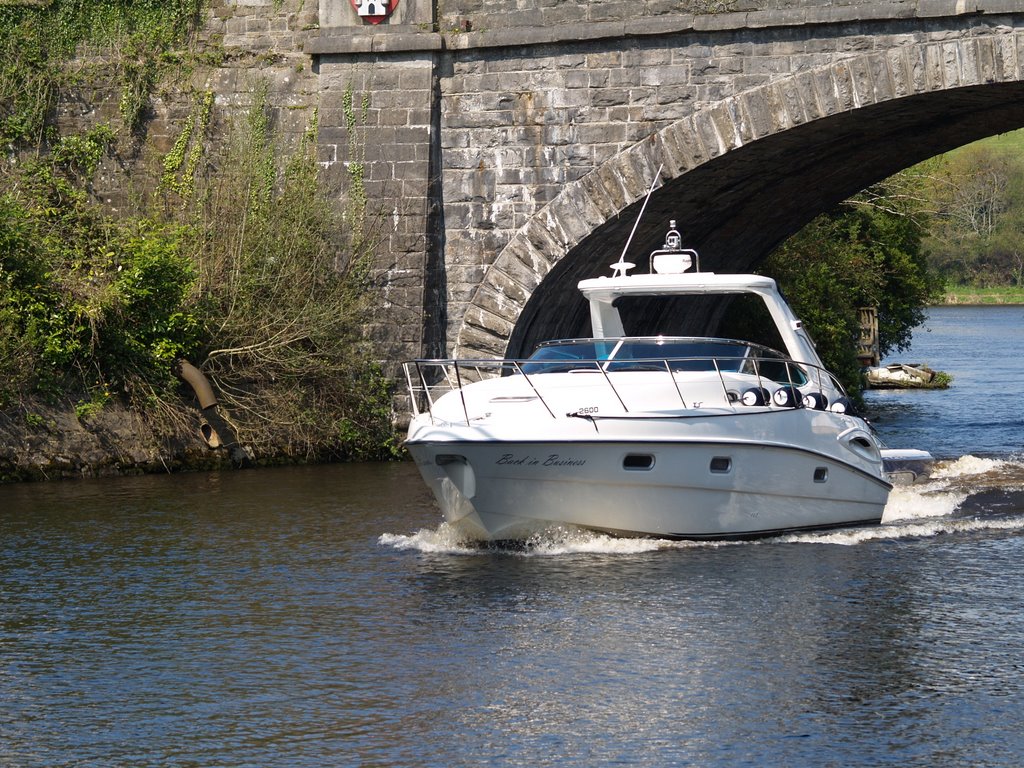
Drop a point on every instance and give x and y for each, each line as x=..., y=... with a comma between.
x=940, y=505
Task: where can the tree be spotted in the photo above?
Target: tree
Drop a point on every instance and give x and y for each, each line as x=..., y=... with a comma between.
x=977, y=199
x=867, y=252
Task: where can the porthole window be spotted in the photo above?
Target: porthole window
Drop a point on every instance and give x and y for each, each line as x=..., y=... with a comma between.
x=721, y=465
x=638, y=461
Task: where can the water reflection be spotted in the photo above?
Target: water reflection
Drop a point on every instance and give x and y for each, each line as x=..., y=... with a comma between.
x=980, y=414
x=707, y=654
x=258, y=619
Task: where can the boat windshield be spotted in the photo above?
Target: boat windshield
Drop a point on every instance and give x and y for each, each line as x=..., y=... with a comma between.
x=680, y=354
x=655, y=353
x=561, y=356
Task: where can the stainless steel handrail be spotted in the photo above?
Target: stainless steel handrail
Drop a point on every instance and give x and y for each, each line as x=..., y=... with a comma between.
x=450, y=377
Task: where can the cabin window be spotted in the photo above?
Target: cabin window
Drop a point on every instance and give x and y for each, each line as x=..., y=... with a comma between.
x=821, y=474
x=638, y=462
x=563, y=356
x=443, y=459
x=721, y=465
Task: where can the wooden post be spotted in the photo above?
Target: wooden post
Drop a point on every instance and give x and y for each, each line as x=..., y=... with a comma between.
x=867, y=346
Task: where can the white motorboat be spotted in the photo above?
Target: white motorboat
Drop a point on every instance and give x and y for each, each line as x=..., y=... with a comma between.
x=662, y=436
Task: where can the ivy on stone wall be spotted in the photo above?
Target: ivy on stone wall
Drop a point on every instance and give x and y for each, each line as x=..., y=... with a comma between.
x=180, y=164
x=39, y=42
x=355, y=122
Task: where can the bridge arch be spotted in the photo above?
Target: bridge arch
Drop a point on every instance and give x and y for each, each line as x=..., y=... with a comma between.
x=743, y=174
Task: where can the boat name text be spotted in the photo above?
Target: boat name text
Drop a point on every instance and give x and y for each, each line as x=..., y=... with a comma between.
x=552, y=460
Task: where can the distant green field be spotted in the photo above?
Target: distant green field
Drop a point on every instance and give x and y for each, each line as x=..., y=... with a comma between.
x=1012, y=141
x=968, y=295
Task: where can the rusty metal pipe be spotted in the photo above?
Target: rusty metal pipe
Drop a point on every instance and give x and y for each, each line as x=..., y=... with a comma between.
x=198, y=382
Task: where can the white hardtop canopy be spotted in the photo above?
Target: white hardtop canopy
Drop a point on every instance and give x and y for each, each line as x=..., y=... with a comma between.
x=602, y=292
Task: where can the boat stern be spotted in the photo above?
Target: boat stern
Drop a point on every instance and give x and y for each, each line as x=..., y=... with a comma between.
x=905, y=466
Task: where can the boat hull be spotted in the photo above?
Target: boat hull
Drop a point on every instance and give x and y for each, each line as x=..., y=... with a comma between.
x=701, y=489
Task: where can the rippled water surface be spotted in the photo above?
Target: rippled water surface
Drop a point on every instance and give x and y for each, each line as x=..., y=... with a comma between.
x=323, y=617
x=983, y=413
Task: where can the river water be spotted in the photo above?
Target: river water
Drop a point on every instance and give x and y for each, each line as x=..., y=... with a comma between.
x=322, y=617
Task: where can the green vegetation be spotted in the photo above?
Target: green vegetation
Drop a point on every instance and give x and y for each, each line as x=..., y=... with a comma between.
x=89, y=302
x=948, y=230
x=283, y=302
x=232, y=262
x=867, y=252
x=975, y=196
x=965, y=294
x=38, y=43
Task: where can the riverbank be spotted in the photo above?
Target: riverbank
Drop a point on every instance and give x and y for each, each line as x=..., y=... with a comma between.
x=969, y=295
x=49, y=442
x=55, y=441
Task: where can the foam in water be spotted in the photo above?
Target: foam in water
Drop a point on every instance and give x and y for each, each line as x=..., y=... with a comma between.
x=567, y=540
x=970, y=465
x=916, y=511
x=910, y=502
x=948, y=486
x=557, y=540
x=445, y=539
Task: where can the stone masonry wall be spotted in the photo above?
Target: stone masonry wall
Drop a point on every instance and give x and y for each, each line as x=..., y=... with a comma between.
x=518, y=126
x=461, y=119
x=478, y=118
x=491, y=15
x=375, y=133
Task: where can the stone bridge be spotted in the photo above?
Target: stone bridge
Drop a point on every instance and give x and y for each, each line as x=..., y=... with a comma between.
x=511, y=149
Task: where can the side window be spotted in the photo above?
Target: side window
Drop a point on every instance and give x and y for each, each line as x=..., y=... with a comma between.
x=779, y=371
x=747, y=318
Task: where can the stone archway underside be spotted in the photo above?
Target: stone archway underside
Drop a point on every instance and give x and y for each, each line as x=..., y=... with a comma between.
x=735, y=216
x=736, y=188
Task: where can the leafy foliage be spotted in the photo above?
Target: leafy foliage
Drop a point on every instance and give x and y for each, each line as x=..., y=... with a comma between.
x=978, y=199
x=89, y=302
x=865, y=253
x=234, y=263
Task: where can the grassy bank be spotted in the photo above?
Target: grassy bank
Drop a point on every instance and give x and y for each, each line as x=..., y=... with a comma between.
x=971, y=295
